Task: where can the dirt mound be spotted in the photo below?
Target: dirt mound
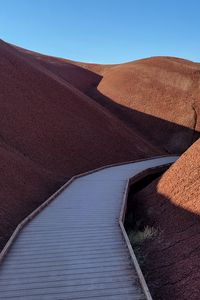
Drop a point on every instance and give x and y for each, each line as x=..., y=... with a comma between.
x=163, y=95
x=171, y=206
x=50, y=130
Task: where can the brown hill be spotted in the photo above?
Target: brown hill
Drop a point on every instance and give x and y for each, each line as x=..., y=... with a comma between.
x=171, y=206
x=50, y=130
x=158, y=97
x=162, y=97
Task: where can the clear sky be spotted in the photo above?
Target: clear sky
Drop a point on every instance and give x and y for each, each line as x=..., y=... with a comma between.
x=103, y=31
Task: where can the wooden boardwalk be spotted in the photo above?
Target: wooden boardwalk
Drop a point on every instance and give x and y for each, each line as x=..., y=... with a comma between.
x=74, y=249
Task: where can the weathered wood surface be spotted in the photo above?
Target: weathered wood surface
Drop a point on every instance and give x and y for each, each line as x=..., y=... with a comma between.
x=74, y=249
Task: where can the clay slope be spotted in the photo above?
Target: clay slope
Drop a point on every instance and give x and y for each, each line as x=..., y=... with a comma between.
x=49, y=131
x=161, y=95
x=171, y=206
x=158, y=97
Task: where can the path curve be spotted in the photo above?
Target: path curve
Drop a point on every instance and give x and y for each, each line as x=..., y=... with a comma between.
x=75, y=248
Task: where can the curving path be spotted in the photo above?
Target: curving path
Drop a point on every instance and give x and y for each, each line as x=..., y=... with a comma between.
x=75, y=249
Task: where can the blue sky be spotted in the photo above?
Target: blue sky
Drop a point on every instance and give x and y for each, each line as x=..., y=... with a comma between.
x=103, y=31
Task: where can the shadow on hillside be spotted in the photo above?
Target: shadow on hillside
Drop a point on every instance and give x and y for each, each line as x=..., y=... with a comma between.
x=165, y=238
x=167, y=136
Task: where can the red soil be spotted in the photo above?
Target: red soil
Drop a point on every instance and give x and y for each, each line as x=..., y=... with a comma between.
x=171, y=204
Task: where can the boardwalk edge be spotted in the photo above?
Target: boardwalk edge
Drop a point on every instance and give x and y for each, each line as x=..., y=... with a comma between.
x=134, y=260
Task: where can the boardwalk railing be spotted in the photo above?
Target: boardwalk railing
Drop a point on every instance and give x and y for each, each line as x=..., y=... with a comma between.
x=130, y=182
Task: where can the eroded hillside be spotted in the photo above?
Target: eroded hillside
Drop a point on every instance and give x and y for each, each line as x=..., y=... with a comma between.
x=170, y=205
